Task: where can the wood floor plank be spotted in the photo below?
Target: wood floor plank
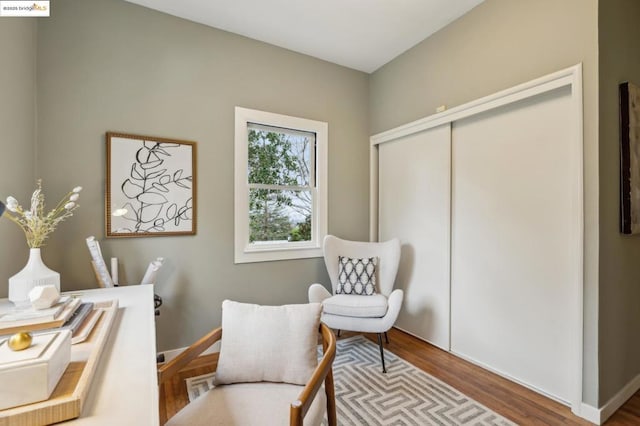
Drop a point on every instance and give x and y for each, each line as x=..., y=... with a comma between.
x=503, y=396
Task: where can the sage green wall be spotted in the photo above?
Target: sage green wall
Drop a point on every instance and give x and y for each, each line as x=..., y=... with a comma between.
x=110, y=65
x=497, y=45
x=619, y=254
x=17, y=134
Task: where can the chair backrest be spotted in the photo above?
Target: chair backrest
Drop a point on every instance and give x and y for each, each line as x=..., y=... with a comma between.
x=387, y=252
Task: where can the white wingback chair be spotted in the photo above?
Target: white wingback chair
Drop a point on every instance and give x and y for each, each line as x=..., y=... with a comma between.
x=366, y=314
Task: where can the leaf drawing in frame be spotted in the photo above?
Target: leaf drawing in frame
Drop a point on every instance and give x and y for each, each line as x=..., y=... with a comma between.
x=151, y=186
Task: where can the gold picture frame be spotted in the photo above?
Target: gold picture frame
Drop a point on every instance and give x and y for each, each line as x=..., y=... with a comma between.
x=150, y=186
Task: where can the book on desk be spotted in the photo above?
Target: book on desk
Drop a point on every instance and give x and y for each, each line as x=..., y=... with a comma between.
x=29, y=314
x=69, y=313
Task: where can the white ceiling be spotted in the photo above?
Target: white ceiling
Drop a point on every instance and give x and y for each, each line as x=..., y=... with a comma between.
x=359, y=34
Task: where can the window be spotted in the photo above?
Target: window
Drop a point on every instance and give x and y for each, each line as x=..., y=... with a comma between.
x=280, y=186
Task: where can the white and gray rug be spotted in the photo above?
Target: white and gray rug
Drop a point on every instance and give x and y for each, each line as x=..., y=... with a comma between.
x=405, y=395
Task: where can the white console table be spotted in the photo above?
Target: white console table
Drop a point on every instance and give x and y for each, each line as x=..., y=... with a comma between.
x=124, y=389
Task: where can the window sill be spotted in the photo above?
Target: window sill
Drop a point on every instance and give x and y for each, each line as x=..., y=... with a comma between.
x=272, y=254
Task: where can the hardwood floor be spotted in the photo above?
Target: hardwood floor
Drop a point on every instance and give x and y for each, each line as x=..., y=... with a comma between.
x=509, y=399
x=628, y=414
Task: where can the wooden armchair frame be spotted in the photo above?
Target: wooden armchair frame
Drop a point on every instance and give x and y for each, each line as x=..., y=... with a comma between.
x=298, y=408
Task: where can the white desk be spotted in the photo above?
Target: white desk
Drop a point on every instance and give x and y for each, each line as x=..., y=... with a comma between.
x=124, y=389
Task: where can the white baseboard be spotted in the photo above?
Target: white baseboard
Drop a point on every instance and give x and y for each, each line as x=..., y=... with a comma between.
x=619, y=399
x=172, y=353
x=600, y=415
x=587, y=412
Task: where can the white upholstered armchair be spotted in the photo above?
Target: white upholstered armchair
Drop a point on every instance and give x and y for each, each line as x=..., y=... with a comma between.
x=375, y=313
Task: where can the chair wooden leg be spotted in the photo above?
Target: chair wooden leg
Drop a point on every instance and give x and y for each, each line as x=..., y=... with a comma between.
x=384, y=369
x=386, y=338
x=338, y=333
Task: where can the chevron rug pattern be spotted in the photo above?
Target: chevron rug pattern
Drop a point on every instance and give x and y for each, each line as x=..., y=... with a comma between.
x=405, y=395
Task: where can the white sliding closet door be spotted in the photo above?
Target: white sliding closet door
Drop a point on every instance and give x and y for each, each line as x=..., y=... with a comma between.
x=414, y=205
x=512, y=282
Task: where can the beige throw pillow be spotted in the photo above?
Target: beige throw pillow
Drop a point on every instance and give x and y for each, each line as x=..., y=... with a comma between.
x=268, y=343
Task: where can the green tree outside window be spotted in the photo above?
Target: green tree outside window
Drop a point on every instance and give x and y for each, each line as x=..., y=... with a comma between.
x=280, y=180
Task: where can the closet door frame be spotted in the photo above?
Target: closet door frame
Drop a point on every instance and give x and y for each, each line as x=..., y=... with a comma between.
x=571, y=77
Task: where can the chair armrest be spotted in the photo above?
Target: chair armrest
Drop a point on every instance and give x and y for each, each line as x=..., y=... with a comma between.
x=395, y=303
x=322, y=373
x=192, y=352
x=317, y=293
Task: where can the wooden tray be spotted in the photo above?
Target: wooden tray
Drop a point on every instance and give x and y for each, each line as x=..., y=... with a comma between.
x=70, y=394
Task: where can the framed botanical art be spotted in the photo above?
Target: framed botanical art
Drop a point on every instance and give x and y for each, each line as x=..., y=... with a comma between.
x=630, y=158
x=150, y=186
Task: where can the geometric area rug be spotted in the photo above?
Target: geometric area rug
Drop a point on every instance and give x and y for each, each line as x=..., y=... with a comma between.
x=405, y=395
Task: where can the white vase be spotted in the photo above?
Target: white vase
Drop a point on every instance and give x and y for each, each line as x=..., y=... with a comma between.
x=35, y=273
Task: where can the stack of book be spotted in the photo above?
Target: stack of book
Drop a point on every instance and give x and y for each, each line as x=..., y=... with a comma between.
x=69, y=313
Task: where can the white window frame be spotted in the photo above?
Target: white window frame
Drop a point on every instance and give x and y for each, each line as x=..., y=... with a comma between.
x=245, y=252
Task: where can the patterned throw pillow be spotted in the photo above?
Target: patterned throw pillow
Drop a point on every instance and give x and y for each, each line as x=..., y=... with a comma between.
x=357, y=276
